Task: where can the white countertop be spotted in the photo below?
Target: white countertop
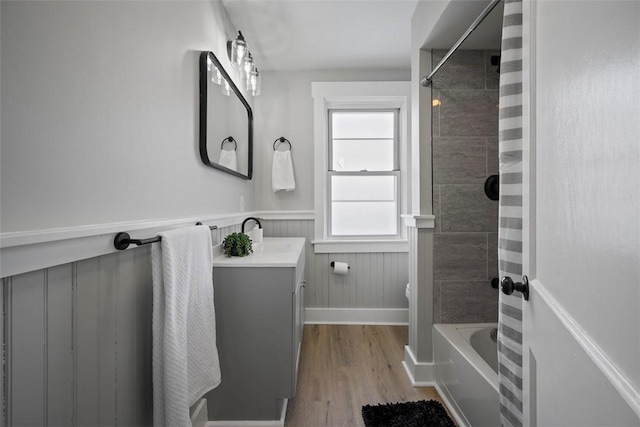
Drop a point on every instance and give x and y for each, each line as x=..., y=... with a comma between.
x=271, y=252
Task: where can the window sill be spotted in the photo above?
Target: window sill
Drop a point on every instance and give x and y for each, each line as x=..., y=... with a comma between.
x=359, y=246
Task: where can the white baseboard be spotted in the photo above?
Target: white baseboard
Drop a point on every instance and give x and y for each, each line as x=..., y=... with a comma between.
x=254, y=423
x=421, y=374
x=357, y=316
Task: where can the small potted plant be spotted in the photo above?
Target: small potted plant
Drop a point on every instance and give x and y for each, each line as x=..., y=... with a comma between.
x=237, y=244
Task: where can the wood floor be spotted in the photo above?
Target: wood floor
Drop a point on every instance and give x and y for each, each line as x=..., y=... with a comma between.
x=343, y=368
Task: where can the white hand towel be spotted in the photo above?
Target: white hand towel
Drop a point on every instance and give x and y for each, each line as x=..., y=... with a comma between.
x=282, y=171
x=185, y=356
x=228, y=159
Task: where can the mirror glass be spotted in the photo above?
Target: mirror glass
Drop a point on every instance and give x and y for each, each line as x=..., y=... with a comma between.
x=226, y=121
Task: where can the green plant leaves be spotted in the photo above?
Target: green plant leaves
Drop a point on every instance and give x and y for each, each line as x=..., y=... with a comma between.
x=237, y=244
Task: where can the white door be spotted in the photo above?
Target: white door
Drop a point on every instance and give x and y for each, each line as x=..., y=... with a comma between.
x=581, y=324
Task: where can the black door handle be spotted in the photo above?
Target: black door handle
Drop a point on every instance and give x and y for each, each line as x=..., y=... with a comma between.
x=508, y=286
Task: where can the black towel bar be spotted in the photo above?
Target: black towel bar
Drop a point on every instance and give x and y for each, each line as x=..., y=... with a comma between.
x=229, y=139
x=123, y=240
x=281, y=140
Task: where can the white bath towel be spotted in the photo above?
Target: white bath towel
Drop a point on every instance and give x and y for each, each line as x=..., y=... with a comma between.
x=282, y=171
x=185, y=356
x=228, y=159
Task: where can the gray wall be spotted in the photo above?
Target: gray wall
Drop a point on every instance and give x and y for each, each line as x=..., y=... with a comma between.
x=100, y=113
x=465, y=153
x=375, y=280
x=99, y=125
x=78, y=342
x=285, y=108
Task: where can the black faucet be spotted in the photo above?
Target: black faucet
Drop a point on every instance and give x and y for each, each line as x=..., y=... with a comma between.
x=251, y=218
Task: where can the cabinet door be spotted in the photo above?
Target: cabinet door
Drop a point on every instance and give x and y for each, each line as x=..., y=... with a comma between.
x=254, y=318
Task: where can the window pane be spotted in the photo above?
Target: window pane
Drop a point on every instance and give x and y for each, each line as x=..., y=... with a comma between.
x=363, y=204
x=366, y=124
x=357, y=155
x=366, y=188
x=364, y=218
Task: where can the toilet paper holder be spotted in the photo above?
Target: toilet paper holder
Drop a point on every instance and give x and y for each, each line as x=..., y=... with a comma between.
x=333, y=263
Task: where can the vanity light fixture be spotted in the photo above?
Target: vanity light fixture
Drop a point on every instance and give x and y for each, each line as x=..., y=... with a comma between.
x=253, y=82
x=237, y=51
x=241, y=60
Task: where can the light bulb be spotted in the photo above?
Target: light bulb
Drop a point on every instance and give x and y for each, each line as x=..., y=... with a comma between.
x=241, y=51
x=238, y=52
x=253, y=83
x=248, y=66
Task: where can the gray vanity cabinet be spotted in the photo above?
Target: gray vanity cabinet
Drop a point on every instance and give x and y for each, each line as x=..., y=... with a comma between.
x=259, y=324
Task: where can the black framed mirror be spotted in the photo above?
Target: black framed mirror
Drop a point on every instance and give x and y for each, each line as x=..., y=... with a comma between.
x=226, y=121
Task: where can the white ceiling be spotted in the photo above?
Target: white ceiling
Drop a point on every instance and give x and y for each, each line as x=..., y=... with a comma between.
x=347, y=34
x=456, y=19
x=325, y=34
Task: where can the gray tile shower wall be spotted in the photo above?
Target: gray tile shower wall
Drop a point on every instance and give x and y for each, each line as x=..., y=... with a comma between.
x=465, y=302
x=468, y=112
x=465, y=153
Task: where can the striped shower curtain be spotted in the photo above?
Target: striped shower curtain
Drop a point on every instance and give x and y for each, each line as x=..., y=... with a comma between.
x=510, y=215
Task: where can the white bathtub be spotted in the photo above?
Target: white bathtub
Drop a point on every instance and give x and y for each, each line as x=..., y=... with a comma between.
x=466, y=363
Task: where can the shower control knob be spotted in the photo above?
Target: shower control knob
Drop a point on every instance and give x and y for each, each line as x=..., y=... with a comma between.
x=508, y=286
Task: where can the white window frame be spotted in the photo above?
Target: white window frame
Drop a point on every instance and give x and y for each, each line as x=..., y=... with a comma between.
x=357, y=96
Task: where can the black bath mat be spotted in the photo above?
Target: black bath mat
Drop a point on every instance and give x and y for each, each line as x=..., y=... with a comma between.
x=410, y=414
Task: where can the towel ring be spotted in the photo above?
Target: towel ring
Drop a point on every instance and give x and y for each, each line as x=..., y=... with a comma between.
x=281, y=140
x=229, y=139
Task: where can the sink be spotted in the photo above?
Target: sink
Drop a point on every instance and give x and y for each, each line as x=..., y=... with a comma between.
x=272, y=246
x=271, y=252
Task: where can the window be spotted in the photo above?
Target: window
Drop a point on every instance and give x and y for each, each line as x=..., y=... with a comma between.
x=360, y=166
x=363, y=175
